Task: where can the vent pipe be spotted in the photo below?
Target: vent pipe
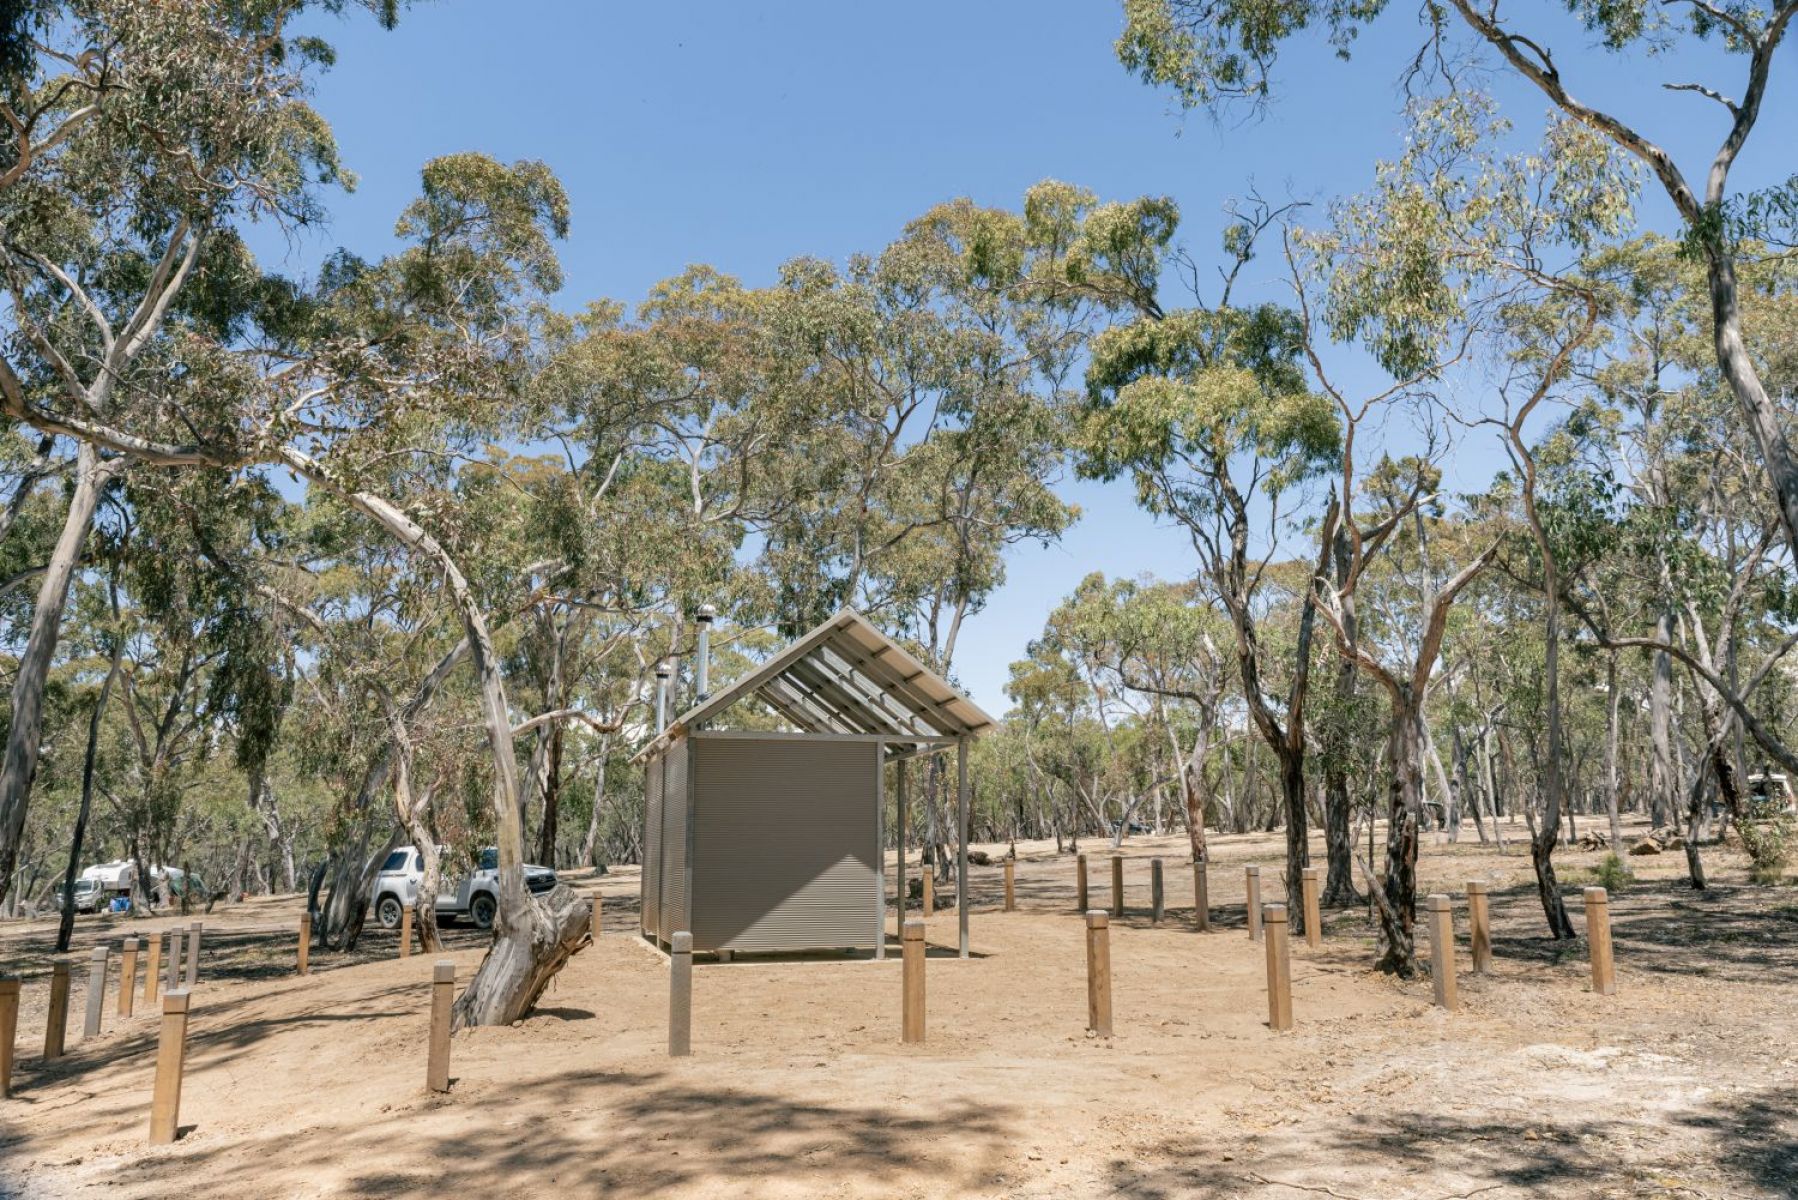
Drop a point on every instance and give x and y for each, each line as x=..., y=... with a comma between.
x=662, y=674
x=703, y=677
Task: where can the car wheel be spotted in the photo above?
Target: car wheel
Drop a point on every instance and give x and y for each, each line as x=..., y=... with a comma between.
x=482, y=909
x=387, y=911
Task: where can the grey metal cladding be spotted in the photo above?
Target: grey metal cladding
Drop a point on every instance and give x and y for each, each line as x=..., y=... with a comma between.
x=784, y=844
x=675, y=806
x=651, y=882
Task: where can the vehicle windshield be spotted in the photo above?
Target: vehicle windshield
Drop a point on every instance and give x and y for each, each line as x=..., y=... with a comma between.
x=395, y=861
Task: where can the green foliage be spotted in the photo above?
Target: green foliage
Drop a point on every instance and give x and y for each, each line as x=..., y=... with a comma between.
x=1612, y=873
x=1769, y=842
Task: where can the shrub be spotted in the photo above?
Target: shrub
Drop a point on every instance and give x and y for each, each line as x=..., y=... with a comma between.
x=1612, y=874
x=1769, y=842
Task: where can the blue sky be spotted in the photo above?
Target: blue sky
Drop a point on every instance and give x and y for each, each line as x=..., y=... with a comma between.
x=740, y=135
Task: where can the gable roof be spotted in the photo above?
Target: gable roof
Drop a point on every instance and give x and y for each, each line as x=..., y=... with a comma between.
x=845, y=676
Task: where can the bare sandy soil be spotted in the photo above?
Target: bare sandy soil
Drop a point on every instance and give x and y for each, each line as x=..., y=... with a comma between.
x=1685, y=1083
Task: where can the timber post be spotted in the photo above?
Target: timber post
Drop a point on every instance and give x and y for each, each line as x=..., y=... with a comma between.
x=1442, y=951
x=305, y=947
x=193, y=955
x=1479, y=926
x=443, y=997
x=1011, y=897
x=96, y=990
x=1080, y=883
x=56, y=1024
x=1279, y=970
x=1117, y=885
x=127, y=975
x=1098, y=973
x=598, y=902
x=1598, y=938
x=171, y=964
x=680, y=995
x=911, y=1006
x=9, y=1030
x=171, y=1055
x=928, y=873
x=1252, y=882
x=152, y=967
x=1201, y=895
x=406, y=931
x=1310, y=881
x=1157, y=892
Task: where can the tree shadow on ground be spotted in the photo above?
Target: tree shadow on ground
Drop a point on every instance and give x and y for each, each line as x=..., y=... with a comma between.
x=631, y=1134
x=1750, y=1144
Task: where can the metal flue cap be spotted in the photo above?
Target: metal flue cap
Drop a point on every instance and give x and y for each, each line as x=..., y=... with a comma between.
x=708, y=613
x=662, y=672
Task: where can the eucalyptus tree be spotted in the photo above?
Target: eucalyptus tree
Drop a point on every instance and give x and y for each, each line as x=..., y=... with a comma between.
x=1211, y=54
x=142, y=136
x=1207, y=410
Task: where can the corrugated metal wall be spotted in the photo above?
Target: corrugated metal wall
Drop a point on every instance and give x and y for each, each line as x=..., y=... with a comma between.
x=672, y=916
x=784, y=854
x=650, y=901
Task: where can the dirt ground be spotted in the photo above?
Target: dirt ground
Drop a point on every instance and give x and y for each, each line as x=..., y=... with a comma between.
x=1684, y=1083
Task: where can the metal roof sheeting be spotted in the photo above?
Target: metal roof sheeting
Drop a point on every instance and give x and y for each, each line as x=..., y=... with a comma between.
x=846, y=677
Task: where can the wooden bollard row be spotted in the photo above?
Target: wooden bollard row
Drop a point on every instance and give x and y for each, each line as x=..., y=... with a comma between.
x=1252, y=882
x=911, y=1004
x=171, y=1056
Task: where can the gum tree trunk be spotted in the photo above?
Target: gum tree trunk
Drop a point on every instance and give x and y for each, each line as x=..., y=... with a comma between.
x=24, y=736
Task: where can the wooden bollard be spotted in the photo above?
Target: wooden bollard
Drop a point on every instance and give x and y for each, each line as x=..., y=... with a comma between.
x=1252, y=881
x=443, y=997
x=152, y=968
x=127, y=976
x=911, y=1007
x=1598, y=938
x=1479, y=923
x=193, y=955
x=598, y=901
x=1442, y=951
x=1011, y=897
x=171, y=1053
x=1117, y=885
x=929, y=876
x=171, y=967
x=1201, y=895
x=1080, y=883
x=1098, y=973
x=680, y=996
x=406, y=931
x=9, y=1030
x=1279, y=969
x=96, y=991
x=56, y=1025
x=305, y=947
x=1157, y=895
x=1310, y=884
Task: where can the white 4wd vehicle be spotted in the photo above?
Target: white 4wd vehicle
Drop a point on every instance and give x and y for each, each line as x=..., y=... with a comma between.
x=476, y=896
